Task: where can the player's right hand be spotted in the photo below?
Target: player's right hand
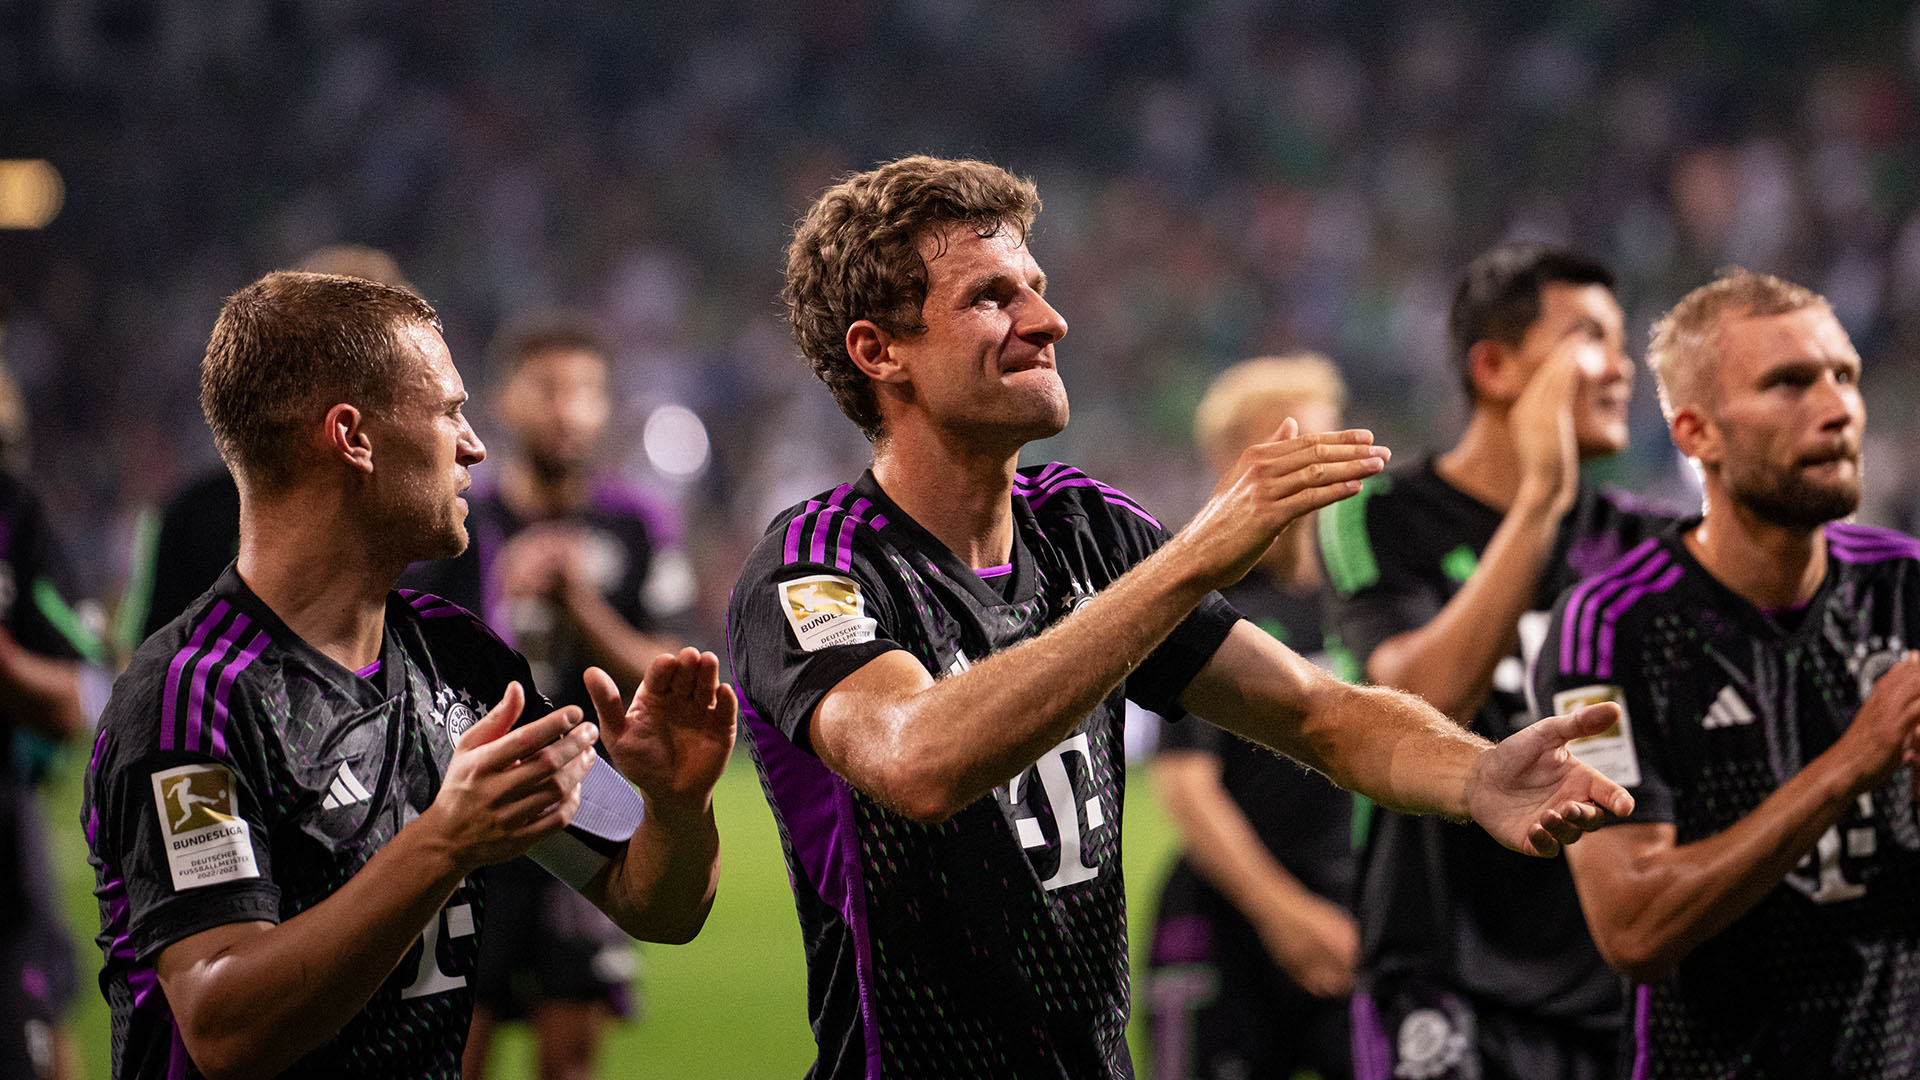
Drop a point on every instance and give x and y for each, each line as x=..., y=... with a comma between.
x=1274, y=484
x=1885, y=731
x=507, y=787
x=1543, y=427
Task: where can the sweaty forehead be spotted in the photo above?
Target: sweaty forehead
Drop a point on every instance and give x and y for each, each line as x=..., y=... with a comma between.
x=432, y=375
x=1809, y=334
x=955, y=251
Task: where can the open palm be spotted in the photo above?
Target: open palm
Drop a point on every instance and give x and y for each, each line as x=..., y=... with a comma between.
x=1531, y=794
x=672, y=742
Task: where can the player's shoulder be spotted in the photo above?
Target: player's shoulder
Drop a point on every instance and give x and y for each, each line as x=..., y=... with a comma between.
x=1868, y=547
x=1056, y=491
x=616, y=498
x=1595, y=619
x=185, y=683
x=831, y=531
x=441, y=622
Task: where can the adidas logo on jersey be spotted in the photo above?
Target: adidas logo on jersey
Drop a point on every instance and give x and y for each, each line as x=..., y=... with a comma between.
x=1727, y=710
x=346, y=790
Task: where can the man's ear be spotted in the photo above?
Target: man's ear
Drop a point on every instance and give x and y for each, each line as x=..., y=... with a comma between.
x=872, y=351
x=1697, y=436
x=1495, y=370
x=346, y=438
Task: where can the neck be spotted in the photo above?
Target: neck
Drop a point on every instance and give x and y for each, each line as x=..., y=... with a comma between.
x=317, y=569
x=1769, y=565
x=533, y=494
x=1485, y=463
x=962, y=496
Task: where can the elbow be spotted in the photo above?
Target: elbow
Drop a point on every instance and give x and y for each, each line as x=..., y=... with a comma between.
x=677, y=931
x=223, y=1059
x=1640, y=956
x=926, y=799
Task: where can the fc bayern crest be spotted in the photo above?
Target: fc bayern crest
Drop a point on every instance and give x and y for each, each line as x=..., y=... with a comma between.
x=1872, y=659
x=459, y=719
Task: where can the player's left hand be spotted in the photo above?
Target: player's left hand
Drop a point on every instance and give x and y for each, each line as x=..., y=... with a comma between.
x=673, y=740
x=1531, y=794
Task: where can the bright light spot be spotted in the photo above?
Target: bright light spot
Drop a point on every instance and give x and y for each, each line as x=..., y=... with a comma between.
x=30, y=194
x=676, y=441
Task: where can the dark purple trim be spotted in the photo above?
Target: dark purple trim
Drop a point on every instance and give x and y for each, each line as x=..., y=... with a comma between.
x=1372, y=1053
x=369, y=671
x=1570, y=631
x=169, y=708
x=987, y=572
x=1642, y=1032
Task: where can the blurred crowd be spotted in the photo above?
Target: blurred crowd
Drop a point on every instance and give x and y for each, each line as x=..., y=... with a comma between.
x=1221, y=179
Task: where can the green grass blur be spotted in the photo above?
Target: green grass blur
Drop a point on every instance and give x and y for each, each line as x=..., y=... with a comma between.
x=731, y=1004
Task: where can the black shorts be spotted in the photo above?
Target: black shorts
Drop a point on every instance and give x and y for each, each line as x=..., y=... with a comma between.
x=1218, y=1008
x=541, y=942
x=1419, y=1028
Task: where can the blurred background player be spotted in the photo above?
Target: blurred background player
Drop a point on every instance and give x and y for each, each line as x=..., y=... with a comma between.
x=1254, y=947
x=1764, y=893
x=1476, y=961
x=41, y=646
x=560, y=563
x=198, y=531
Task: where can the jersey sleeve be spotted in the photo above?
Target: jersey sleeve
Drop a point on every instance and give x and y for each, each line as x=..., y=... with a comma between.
x=1568, y=674
x=178, y=813
x=1363, y=547
x=806, y=615
x=1122, y=534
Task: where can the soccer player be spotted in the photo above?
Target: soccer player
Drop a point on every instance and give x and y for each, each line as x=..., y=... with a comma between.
x=1764, y=896
x=1254, y=947
x=295, y=780
x=934, y=656
x=560, y=563
x=41, y=647
x=1475, y=961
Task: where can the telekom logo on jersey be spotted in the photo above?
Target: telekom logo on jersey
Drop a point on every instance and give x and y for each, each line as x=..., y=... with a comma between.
x=1070, y=814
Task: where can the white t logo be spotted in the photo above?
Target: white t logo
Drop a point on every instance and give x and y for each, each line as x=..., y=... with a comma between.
x=427, y=977
x=1052, y=768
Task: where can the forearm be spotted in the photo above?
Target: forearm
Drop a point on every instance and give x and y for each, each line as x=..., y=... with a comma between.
x=936, y=749
x=1450, y=660
x=661, y=887
x=1650, y=910
x=43, y=694
x=611, y=641
x=1218, y=840
x=267, y=998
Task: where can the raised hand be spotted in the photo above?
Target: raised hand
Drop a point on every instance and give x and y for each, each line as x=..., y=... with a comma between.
x=1542, y=420
x=1530, y=793
x=1274, y=484
x=507, y=787
x=673, y=740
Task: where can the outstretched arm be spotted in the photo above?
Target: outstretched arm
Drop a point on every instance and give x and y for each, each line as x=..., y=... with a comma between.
x=929, y=748
x=672, y=742
x=252, y=998
x=1651, y=901
x=1528, y=791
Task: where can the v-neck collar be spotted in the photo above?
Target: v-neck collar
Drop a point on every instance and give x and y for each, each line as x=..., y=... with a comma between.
x=385, y=684
x=950, y=565
x=1748, y=614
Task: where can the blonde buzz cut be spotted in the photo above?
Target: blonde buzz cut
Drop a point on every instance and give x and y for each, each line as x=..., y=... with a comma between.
x=1686, y=340
x=1259, y=387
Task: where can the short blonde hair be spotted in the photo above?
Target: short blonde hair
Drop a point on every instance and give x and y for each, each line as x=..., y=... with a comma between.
x=1262, y=384
x=1685, y=339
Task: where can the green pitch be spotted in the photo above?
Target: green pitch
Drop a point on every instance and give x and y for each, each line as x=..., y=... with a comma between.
x=730, y=1004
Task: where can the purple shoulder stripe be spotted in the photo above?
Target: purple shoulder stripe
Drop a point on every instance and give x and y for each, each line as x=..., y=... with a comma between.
x=433, y=607
x=615, y=495
x=169, y=703
x=1057, y=477
x=1866, y=544
x=1604, y=667
x=200, y=667
x=1577, y=620
x=829, y=526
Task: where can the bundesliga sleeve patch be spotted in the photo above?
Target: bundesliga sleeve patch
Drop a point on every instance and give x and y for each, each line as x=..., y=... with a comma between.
x=206, y=838
x=1610, y=752
x=826, y=610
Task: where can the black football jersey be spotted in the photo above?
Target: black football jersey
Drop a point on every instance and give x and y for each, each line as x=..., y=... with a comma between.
x=1722, y=704
x=241, y=775
x=993, y=944
x=1441, y=900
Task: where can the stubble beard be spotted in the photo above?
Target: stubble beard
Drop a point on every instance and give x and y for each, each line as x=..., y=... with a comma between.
x=1785, y=497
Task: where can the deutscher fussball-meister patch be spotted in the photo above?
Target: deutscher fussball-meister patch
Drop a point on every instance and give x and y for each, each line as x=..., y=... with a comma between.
x=826, y=610
x=206, y=838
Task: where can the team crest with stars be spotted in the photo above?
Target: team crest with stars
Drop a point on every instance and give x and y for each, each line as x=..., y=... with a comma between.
x=1872, y=658
x=451, y=714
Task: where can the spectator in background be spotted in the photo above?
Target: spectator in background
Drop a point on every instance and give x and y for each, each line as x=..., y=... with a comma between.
x=198, y=532
x=1254, y=947
x=1475, y=962
x=559, y=565
x=41, y=646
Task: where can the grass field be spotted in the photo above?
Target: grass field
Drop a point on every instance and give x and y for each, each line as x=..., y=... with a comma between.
x=731, y=1004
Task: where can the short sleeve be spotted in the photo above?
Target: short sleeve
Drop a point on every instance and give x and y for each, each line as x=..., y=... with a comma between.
x=1632, y=753
x=178, y=819
x=800, y=621
x=1363, y=549
x=1156, y=685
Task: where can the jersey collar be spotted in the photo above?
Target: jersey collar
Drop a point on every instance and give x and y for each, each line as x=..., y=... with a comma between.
x=950, y=565
x=385, y=684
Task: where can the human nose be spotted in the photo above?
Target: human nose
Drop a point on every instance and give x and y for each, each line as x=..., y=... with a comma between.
x=471, y=451
x=1042, y=322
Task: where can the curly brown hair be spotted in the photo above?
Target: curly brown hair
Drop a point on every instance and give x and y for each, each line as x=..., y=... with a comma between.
x=289, y=347
x=853, y=257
